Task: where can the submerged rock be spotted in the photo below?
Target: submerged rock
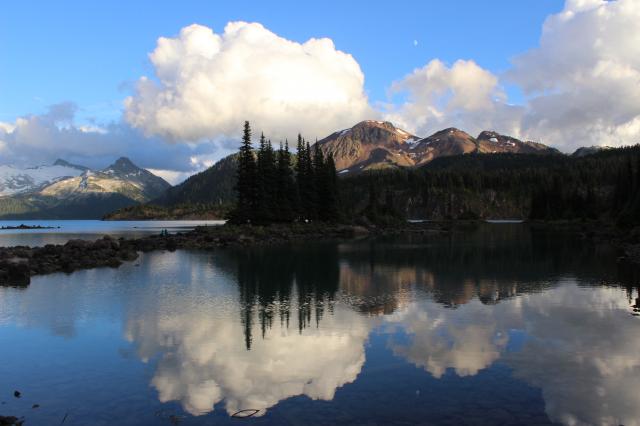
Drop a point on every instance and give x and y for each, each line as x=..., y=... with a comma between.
x=11, y=421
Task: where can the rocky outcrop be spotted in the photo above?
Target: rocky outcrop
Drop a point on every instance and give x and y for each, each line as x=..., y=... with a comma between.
x=18, y=264
x=492, y=142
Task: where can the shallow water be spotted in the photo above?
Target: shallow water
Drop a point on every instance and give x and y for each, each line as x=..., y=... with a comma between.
x=64, y=230
x=495, y=324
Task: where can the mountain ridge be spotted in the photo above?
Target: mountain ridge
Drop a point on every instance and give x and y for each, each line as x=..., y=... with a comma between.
x=65, y=190
x=373, y=144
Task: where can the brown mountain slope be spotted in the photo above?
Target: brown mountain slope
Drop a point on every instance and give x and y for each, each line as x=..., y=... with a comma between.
x=379, y=144
x=369, y=144
x=446, y=142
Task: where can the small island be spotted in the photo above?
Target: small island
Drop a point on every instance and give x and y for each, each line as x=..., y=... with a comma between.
x=22, y=226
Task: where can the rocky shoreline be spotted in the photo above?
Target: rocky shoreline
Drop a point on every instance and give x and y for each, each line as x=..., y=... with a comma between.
x=18, y=264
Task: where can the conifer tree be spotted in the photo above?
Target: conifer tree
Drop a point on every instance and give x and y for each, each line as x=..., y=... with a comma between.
x=305, y=181
x=624, y=186
x=286, y=195
x=261, y=211
x=324, y=174
x=310, y=201
x=270, y=183
x=300, y=171
x=266, y=209
x=246, y=180
x=319, y=180
x=330, y=202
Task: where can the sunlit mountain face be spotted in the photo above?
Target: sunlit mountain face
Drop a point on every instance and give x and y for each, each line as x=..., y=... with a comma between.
x=499, y=322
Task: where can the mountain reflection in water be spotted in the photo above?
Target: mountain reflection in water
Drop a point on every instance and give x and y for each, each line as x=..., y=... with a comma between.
x=522, y=311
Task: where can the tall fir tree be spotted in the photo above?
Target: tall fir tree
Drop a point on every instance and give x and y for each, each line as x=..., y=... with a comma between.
x=270, y=183
x=266, y=183
x=286, y=197
x=304, y=178
x=261, y=212
x=321, y=184
x=246, y=181
x=330, y=202
x=311, y=197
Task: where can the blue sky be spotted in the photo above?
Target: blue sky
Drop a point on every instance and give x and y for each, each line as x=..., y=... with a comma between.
x=92, y=52
x=91, y=81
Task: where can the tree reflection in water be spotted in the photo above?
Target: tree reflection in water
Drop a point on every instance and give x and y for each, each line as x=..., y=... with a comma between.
x=252, y=328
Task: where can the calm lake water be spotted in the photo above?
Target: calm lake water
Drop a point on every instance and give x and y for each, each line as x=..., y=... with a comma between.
x=64, y=230
x=494, y=324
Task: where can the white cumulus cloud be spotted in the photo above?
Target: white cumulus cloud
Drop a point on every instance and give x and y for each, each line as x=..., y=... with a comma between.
x=584, y=78
x=41, y=139
x=464, y=95
x=207, y=84
x=581, y=84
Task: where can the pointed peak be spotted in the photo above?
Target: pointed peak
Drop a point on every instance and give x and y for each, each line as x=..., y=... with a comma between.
x=123, y=164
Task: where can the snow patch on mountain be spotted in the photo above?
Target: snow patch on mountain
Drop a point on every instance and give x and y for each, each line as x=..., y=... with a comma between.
x=15, y=180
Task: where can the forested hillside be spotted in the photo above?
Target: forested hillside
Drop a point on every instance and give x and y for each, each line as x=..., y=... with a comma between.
x=603, y=185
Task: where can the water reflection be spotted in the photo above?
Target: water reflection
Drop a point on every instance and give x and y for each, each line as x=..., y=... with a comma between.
x=249, y=329
x=206, y=358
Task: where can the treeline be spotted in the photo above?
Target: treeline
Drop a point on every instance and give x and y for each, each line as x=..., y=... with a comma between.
x=600, y=186
x=186, y=211
x=270, y=188
x=604, y=186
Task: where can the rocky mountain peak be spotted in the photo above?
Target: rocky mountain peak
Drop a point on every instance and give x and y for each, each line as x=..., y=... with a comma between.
x=368, y=143
x=123, y=165
x=450, y=132
x=373, y=131
x=379, y=144
x=375, y=123
x=493, y=142
x=69, y=191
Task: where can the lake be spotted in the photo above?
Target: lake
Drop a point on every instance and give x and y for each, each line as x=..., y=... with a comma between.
x=490, y=324
x=63, y=230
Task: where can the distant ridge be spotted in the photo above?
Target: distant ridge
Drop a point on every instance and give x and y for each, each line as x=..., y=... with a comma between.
x=69, y=191
x=368, y=145
x=375, y=144
x=589, y=150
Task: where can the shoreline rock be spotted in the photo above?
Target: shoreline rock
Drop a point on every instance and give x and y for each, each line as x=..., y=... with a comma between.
x=18, y=264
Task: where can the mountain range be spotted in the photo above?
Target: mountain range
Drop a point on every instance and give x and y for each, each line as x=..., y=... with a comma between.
x=65, y=190
x=379, y=144
x=68, y=191
x=369, y=145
